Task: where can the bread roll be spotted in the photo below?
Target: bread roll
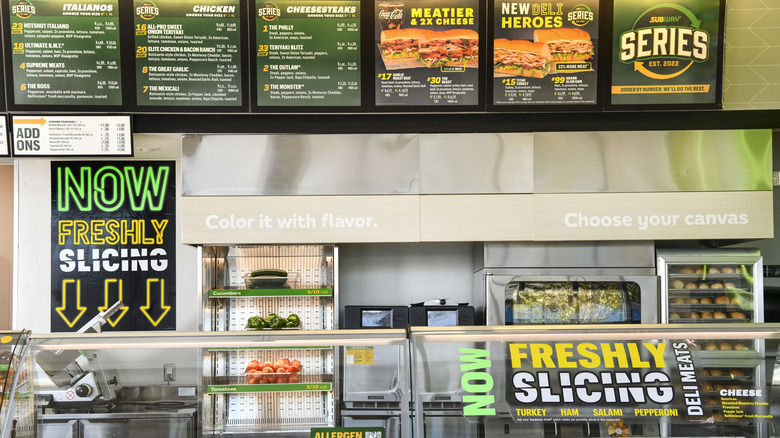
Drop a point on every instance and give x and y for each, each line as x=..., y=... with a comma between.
x=714, y=270
x=705, y=300
x=706, y=372
x=727, y=270
x=724, y=346
x=722, y=299
x=707, y=386
x=691, y=286
x=719, y=315
x=735, y=372
x=674, y=315
x=729, y=285
x=692, y=300
x=706, y=315
x=704, y=286
x=710, y=346
x=677, y=284
x=737, y=315
x=717, y=372
x=699, y=271
x=686, y=270
x=677, y=300
x=716, y=286
x=740, y=346
x=692, y=315
x=735, y=300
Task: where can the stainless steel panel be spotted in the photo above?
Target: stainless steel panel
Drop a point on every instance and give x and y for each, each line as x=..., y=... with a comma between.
x=138, y=427
x=391, y=421
x=617, y=254
x=224, y=165
x=448, y=426
x=476, y=163
x=59, y=428
x=652, y=161
x=382, y=381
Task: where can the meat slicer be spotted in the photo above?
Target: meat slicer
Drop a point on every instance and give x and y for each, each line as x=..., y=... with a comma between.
x=75, y=379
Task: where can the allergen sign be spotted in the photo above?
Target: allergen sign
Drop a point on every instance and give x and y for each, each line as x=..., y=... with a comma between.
x=545, y=53
x=308, y=53
x=188, y=53
x=113, y=237
x=666, y=53
x=65, y=53
x=427, y=52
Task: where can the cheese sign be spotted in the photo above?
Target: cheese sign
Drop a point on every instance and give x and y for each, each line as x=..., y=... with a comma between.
x=666, y=53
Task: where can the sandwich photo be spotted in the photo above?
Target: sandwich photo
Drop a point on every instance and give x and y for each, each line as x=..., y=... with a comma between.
x=520, y=58
x=566, y=44
x=398, y=43
x=454, y=47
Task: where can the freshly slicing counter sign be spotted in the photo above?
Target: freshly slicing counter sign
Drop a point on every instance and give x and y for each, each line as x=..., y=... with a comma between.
x=188, y=53
x=65, y=53
x=613, y=382
x=545, y=53
x=113, y=238
x=667, y=53
x=427, y=52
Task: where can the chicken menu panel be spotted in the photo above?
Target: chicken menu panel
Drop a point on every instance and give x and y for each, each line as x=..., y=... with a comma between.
x=65, y=53
x=188, y=53
x=427, y=52
x=545, y=53
x=308, y=53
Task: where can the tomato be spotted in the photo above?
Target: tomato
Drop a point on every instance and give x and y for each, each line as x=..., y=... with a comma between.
x=281, y=380
x=254, y=381
x=252, y=365
x=293, y=378
x=272, y=379
x=296, y=363
x=294, y=368
x=278, y=365
x=286, y=361
x=268, y=369
x=264, y=380
x=266, y=364
x=283, y=370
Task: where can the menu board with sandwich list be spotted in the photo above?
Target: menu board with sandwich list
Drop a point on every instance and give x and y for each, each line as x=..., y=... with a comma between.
x=308, y=53
x=65, y=53
x=427, y=52
x=188, y=53
x=545, y=53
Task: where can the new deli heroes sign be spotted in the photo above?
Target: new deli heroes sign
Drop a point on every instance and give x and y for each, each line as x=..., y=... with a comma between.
x=666, y=53
x=113, y=236
x=575, y=381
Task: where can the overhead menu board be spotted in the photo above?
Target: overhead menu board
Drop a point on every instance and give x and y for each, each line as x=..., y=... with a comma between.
x=427, y=52
x=64, y=53
x=188, y=53
x=667, y=53
x=545, y=53
x=308, y=53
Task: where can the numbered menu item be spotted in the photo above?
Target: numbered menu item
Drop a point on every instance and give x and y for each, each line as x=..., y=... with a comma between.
x=188, y=53
x=308, y=53
x=427, y=52
x=545, y=53
x=65, y=53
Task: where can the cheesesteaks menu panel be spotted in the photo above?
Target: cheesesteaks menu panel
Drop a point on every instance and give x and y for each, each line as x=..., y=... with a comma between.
x=427, y=52
x=308, y=53
x=65, y=53
x=544, y=53
x=188, y=53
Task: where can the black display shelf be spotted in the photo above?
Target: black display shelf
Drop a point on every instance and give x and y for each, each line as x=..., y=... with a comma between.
x=384, y=123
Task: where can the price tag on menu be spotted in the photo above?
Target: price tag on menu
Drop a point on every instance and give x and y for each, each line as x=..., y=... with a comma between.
x=85, y=136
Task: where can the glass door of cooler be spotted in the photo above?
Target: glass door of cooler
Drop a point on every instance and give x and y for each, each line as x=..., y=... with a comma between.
x=16, y=399
x=717, y=285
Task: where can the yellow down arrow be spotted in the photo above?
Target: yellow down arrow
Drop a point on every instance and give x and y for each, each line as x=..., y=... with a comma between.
x=39, y=121
x=123, y=309
x=62, y=308
x=640, y=67
x=148, y=305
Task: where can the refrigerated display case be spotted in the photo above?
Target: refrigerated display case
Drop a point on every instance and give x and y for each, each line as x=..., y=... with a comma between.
x=16, y=389
x=523, y=381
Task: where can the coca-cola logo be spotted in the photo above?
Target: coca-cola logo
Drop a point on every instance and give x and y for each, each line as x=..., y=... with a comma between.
x=395, y=14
